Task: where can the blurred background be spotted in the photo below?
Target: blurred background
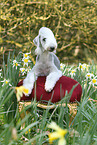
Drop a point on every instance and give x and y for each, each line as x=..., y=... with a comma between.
x=73, y=22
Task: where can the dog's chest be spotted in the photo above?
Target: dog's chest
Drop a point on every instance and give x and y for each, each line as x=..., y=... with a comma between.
x=45, y=63
x=45, y=58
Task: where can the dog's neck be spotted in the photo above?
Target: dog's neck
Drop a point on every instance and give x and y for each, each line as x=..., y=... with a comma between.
x=44, y=55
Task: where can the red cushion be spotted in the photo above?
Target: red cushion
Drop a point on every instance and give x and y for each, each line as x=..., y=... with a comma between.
x=63, y=84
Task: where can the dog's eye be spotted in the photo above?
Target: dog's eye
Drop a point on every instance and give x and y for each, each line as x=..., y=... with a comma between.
x=44, y=39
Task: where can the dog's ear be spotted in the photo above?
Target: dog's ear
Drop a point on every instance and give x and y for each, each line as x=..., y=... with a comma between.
x=36, y=40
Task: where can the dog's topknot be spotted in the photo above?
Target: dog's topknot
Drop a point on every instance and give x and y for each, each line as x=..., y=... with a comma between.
x=45, y=31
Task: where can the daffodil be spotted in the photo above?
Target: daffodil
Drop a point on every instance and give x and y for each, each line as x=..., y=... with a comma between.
x=28, y=69
x=62, y=66
x=72, y=73
x=94, y=81
x=26, y=61
x=83, y=67
x=89, y=76
x=15, y=64
x=19, y=92
x=23, y=70
x=26, y=55
x=58, y=134
x=5, y=82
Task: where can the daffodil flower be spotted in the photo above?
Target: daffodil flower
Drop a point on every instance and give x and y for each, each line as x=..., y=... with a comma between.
x=5, y=82
x=58, y=134
x=23, y=70
x=26, y=55
x=72, y=73
x=15, y=64
x=83, y=67
x=62, y=66
x=19, y=92
x=26, y=61
x=89, y=76
x=94, y=81
x=28, y=69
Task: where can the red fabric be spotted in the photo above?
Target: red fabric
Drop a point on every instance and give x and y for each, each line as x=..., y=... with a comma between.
x=63, y=84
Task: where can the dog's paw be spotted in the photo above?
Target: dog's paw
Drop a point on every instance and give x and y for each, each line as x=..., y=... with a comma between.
x=49, y=87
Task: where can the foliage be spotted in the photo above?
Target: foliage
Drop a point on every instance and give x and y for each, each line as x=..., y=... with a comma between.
x=74, y=24
x=83, y=127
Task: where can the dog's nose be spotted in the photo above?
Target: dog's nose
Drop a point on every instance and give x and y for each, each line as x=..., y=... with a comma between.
x=52, y=48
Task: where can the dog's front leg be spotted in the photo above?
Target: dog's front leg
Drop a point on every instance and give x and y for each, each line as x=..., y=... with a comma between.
x=28, y=82
x=51, y=80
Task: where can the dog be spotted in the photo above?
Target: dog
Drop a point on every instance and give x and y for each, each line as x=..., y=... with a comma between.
x=47, y=63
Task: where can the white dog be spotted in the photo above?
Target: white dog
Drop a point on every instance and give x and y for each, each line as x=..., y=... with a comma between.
x=47, y=63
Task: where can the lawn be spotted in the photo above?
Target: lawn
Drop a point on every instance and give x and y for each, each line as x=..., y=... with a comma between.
x=37, y=126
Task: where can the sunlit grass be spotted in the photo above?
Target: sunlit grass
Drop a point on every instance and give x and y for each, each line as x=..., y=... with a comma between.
x=33, y=127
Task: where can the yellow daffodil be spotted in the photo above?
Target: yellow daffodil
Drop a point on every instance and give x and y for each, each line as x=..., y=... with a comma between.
x=15, y=64
x=26, y=55
x=26, y=58
x=72, y=73
x=19, y=92
x=94, y=81
x=26, y=61
x=62, y=66
x=83, y=67
x=23, y=70
x=58, y=134
x=89, y=76
x=5, y=82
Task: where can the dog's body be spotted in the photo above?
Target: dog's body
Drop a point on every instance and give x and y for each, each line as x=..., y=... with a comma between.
x=47, y=63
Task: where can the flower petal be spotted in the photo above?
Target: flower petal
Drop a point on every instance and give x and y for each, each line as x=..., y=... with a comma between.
x=62, y=141
x=20, y=90
x=53, y=136
x=54, y=126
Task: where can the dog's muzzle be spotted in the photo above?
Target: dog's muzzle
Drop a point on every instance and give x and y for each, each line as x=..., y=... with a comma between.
x=52, y=49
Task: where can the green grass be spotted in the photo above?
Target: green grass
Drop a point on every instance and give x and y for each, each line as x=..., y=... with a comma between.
x=83, y=128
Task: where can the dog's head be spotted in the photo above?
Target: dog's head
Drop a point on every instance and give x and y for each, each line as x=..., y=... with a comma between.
x=45, y=41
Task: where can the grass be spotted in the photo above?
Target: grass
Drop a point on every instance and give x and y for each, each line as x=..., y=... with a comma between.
x=83, y=127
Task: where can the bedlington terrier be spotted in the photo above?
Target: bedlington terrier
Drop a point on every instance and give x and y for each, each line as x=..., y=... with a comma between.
x=47, y=63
